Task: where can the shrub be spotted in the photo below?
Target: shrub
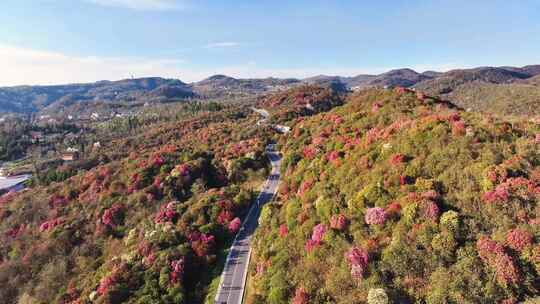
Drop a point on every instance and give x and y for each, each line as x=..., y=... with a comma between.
x=375, y=216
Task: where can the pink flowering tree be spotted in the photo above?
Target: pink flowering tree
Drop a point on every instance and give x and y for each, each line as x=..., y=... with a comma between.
x=519, y=239
x=316, y=237
x=300, y=296
x=375, y=216
x=358, y=259
x=234, y=225
x=338, y=222
x=494, y=255
x=283, y=230
x=177, y=270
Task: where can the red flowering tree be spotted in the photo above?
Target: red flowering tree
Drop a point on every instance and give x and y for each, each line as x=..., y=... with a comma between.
x=518, y=239
x=283, y=230
x=300, y=296
x=167, y=213
x=397, y=159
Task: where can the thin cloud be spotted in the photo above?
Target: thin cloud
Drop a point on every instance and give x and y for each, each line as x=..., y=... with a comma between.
x=142, y=5
x=21, y=66
x=24, y=66
x=220, y=45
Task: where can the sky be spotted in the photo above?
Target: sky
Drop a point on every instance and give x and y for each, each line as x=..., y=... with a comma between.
x=68, y=41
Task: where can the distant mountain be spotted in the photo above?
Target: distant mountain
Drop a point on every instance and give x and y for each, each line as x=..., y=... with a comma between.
x=447, y=82
x=224, y=86
x=74, y=98
x=398, y=77
x=26, y=99
x=500, y=90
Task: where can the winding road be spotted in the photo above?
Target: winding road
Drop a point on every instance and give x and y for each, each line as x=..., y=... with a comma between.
x=233, y=279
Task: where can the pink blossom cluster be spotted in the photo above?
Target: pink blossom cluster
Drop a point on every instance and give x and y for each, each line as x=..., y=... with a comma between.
x=401, y=90
x=57, y=201
x=493, y=254
x=305, y=186
x=318, y=232
x=107, y=282
x=300, y=296
x=358, y=259
x=333, y=157
x=224, y=217
x=316, y=237
x=16, y=231
x=109, y=216
x=499, y=194
x=375, y=216
x=6, y=198
x=338, y=222
x=283, y=230
x=177, y=270
x=397, y=159
x=403, y=180
x=167, y=213
x=518, y=239
x=395, y=127
x=157, y=161
x=537, y=138
x=201, y=243
x=372, y=135
x=319, y=140
x=234, y=225
x=309, y=152
x=157, y=182
x=502, y=192
x=375, y=107
x=336, y=119
x=458, y=126
x=393, y=209
x=430, y=210
x=51, y=224
x=497, y=174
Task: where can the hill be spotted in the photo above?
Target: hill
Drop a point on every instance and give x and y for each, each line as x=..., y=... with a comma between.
x=219, y=86
x=27, y=99
x=147, y=222
x=489, y=89
x=396, y=197
x=508, y=99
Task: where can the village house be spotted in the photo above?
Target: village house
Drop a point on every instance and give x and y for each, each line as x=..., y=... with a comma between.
x=71, y=154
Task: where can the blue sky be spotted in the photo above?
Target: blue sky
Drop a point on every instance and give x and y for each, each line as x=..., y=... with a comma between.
x=58, y=41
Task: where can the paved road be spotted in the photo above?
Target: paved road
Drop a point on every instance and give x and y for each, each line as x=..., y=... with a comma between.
x=233, y=278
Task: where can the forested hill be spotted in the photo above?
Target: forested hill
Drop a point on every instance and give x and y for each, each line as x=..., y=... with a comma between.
x=396, y=197
x=386, y=196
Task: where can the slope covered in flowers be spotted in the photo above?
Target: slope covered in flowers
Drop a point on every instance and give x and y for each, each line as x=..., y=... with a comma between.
x=147, y=225
x=398, y=197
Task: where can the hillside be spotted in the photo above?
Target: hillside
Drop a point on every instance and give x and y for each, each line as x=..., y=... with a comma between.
x=26, y=99
x=219, y=86
x=509, y=99
x=399, y=198
x=147, y=223
x=497, y=90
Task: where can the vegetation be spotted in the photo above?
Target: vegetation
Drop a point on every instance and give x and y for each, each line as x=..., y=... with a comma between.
x=387, y=196
x=149, y=223
x=397, y=197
